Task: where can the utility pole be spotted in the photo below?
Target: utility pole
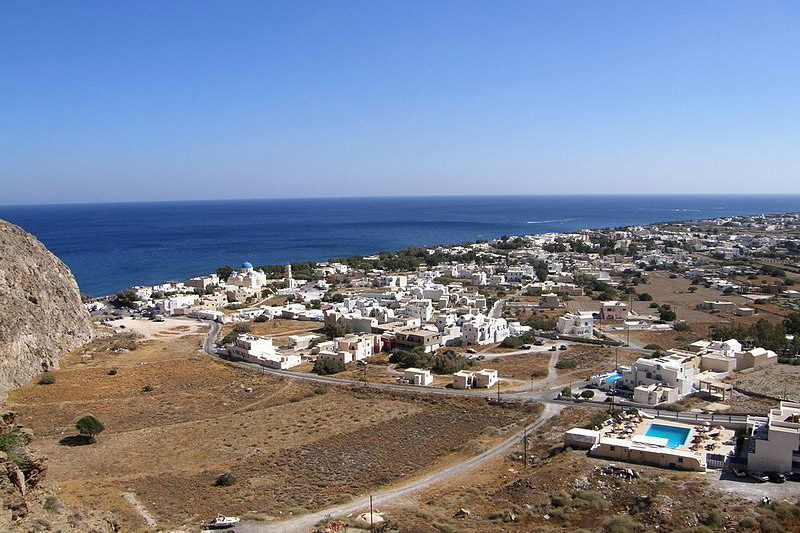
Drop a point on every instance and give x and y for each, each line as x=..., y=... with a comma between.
x=525, y=446
x=370, y=512
x=616, y=358
x=498, y=389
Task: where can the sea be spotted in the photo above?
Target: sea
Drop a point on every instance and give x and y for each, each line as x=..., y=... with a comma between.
x=112, y=246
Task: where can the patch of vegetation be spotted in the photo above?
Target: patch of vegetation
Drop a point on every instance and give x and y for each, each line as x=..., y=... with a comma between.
x=225, y=480
x=14, y=445
x=325, y=367
x=566, y=364
x=443, y=363
x=653, y=346
x=622, y=524
x=337, y=329
x=237, y=330
x=89, y=426
x=47, y=379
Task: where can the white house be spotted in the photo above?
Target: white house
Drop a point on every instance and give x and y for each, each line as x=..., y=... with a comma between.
x=614, y=310
x=465, y=379
x=259, y=350
x=416, y=376
x=580, y=325
x=484, y=330
x=670, y=371
x=775, y=440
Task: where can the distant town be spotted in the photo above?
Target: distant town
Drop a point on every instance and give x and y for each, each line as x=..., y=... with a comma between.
x=689, y=309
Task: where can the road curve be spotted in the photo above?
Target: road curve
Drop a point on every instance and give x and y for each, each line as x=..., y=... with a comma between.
x=303, y=523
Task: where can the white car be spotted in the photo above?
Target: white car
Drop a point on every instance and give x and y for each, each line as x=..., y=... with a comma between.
x=224, y=521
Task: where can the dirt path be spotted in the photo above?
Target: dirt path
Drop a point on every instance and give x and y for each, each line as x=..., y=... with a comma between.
x=303, y=523
x=132, y=499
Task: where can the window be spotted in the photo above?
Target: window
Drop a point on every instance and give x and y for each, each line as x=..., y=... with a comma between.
x=680, y=459
x=612, y=448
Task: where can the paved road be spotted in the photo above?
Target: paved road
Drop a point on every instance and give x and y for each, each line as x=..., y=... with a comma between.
x=381, y=498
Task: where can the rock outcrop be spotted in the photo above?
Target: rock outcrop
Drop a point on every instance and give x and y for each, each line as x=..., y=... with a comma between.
x=41, y=314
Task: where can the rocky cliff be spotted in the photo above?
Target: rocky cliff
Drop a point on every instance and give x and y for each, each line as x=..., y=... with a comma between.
x=41, y=314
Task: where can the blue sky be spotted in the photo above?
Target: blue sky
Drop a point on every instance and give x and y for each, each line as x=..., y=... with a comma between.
x=109, y=101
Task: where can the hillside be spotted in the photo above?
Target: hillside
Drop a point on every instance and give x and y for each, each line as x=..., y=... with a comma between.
x=41, y=315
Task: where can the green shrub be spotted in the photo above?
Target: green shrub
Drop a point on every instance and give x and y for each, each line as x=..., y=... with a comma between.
x=561, y=500
x=52, y=504
x=587, y=394
x=714, y=519
x=566, y=364
x=589, y=499
x=113, y=371
x=653, y=346
x=511, y=342
x=13, y=444
x=225, y=480
x=89, y=426
x=622, y=524
x=325, y=367
x=47, y=379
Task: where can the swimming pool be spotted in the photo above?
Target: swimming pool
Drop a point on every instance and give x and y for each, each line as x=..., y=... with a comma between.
x=676, y=436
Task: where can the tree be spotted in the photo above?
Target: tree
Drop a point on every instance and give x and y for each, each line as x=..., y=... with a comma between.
x=124, y=298
x=587, y=394
x=324, y=367
x=645, y=297
x=238, y=329
x=89, y=426
x=338, y=329
x=792, y=323
x=224, y=272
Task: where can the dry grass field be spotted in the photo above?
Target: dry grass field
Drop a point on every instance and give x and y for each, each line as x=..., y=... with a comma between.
x=563, y=491
x=176, y=419
x=774, y=381
x=277, y=327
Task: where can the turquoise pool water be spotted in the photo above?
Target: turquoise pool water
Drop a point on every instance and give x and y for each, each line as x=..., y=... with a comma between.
x=675, y=435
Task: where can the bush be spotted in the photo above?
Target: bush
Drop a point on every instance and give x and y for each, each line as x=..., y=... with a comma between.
x=511, y=342
x=338, y=329
x=47, y=379
x=325, y=367
x=566, y=364
x=587, y=394
x=681, y=326
x=653, y=305
x=113, y=371
x=622, y=524
x=645, y=297
x=13, y=444
x=89, y=426
x=225, y=480
x=261, y=318
x=714, y=519
x=654, y=347
x=52, y=504
x=589, y=499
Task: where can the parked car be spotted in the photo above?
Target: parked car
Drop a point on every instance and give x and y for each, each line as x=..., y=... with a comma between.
x=563, y=347
x=538, y=342
x=525, y=347
x=776, y=477
x=758, y=476
x=481, y=357
x=471, y=350
x=552, y=349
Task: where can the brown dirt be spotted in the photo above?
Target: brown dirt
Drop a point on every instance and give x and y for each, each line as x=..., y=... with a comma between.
x=544, y=498
x=289, y=443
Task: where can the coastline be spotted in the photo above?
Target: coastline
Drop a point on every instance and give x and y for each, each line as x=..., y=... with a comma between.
x=531, y=234
x=109, y=247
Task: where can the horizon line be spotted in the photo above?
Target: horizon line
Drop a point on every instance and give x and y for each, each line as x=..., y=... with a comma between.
x=367, y=197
